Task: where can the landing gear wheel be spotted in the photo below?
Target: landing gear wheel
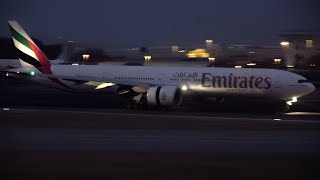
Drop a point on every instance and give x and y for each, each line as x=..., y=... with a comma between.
x=131, y=104
x=143, y=104
x=285, y=107
x=219, y=100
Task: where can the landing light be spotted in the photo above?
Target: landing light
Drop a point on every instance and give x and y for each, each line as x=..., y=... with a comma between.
x=294, y=99
x=184, y=88
x=32, y=73
x=7, y=74
x=251, y=64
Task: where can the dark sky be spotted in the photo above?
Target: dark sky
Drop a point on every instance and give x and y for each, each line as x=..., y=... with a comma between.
x=130, y=23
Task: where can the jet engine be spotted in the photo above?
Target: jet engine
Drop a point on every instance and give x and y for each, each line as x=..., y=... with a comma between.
x=164, y=96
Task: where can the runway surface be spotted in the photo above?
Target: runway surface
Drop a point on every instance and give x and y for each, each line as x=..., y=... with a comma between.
x=158, y=133
x=47, y=133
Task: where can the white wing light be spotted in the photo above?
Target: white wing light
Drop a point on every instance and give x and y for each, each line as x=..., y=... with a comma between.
x=184, y=88
x=104, y=85
x=294, y=99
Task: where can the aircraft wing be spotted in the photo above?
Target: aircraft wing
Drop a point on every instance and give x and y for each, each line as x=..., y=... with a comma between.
x=101, y=83
x=98, y=82
x=101, y=80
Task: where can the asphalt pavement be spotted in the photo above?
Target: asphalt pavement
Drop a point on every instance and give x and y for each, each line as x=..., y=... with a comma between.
x=49, y=134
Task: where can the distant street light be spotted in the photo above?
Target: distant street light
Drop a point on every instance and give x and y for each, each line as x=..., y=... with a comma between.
x=209, y=42
x=147, y=58
x=277, y=61
x=285, y=44
x=309, y=43
x=211, y=59
x=85, y=57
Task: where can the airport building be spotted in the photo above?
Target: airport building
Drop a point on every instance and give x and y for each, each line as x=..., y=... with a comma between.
x=299, y=46
x=299, y=49
x=294, y=50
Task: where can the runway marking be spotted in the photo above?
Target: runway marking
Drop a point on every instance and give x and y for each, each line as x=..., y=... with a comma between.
x=164, y=116
x=304, y=113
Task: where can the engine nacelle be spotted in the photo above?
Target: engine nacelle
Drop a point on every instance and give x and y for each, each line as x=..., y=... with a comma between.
x=164, y=96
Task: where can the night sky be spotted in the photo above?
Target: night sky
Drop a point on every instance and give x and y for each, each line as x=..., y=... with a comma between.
x=134, y=23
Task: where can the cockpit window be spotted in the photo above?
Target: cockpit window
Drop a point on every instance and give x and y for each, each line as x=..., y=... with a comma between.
x=304, y=81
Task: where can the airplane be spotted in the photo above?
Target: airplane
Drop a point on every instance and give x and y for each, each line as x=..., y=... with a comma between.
x=148, y=86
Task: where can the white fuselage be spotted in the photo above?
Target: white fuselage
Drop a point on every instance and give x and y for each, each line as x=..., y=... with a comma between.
x=214, y=81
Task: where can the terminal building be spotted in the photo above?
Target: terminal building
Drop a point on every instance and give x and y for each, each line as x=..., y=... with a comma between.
x=296, y=49
x=299, y=47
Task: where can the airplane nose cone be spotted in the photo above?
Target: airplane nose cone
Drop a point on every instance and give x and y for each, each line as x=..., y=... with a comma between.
x=311, y=88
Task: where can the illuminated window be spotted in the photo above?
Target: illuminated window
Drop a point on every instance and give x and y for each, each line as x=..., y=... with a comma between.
x=277, y=61
x=147, y=58
x=285, y=44
x=309, y=43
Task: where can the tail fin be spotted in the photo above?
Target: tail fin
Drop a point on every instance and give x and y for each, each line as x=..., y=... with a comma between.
x=28, y=51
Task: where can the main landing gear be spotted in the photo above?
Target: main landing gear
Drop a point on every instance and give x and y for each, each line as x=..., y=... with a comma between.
x=138, y=102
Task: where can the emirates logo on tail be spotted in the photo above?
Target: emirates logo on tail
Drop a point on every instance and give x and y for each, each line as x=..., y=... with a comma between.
x=28, y=51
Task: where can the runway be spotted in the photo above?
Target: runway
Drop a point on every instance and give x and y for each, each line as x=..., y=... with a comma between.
x=156, y=133
x=45, y=133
